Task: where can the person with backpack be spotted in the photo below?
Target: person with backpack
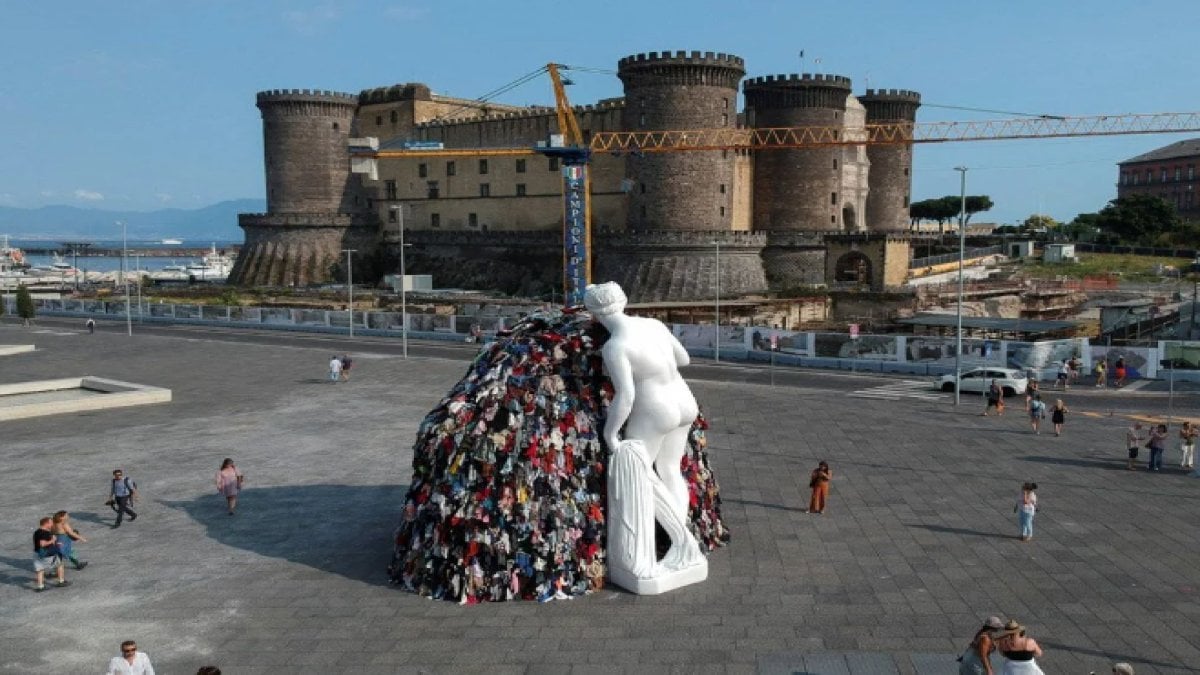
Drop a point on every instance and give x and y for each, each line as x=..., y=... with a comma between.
x=1037, y=413
x=123, y=493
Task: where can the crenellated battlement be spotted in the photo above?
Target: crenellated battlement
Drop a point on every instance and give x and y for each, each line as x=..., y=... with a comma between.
x=898, y=95
x=305, y=96
x=681, y=57
x=408, y=91
x=799, y=80
x=527, y=113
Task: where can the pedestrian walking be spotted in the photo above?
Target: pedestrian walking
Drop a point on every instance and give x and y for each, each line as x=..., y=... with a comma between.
x=1157, y=445
x=46, y=557
x=65, y=537
x=1075, y=365
x=130, y=662
x=335, y=369
x=995, y=399
x=1031, y=390
x=91, y=326
x=1122, y=668
x=1187, y=445
x=123, y=493
x=1037, y=413
x=1019, y=650
x=1058, y=416
x=347, y=364
x=977, y=659
x=819, y=482
x=229, y=483
x=1026, y=509
x=1064, y=374
x=1133, y=440
x=1100, y=374
x=1119, y=372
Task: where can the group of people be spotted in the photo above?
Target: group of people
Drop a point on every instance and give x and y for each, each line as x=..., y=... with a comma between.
x=1156, y=440
x=1069, y=372
x=339, y=368
x=133, y=661
x=1020, y=652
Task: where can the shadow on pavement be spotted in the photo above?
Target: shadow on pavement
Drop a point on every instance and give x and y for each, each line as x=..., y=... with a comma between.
x=964, y=531
x=104, y=518
x=343, y=529
x=25, y=566
x=749, y=502
x=1136, y=660
x=1113, y=464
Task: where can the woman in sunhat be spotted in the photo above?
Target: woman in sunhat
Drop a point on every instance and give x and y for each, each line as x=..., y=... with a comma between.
x=977, y=659
x=1020, y=651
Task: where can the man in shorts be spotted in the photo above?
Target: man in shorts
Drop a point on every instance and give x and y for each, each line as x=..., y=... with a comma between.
x=1132, y=441
x=1064, y=374
x=46, y=557
x=995, y=399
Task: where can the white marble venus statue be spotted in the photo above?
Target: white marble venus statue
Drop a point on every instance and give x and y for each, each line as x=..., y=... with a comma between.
x=654, y=405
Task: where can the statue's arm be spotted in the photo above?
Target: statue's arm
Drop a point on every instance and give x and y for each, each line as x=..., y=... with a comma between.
x=621, y=374
x=681, y=356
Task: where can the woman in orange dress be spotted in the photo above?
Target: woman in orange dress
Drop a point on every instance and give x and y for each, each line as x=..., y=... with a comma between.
x=819, y=482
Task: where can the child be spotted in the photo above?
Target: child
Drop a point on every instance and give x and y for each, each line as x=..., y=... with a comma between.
x=819, y=482
x=1025, y=509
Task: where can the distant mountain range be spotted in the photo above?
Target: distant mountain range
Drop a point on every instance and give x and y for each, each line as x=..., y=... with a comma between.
x=218, y=221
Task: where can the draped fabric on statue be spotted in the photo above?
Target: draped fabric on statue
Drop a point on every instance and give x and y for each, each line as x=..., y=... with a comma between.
x=508, y=498
x=631, y=509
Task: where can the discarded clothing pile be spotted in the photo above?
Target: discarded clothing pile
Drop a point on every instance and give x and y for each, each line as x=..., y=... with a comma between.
x=507, y=500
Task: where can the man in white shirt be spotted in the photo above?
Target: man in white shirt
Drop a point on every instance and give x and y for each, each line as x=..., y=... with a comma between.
x=335, y=369
x=130, y=662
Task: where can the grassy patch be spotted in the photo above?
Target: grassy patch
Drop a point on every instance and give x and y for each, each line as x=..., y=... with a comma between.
x=1128, y=267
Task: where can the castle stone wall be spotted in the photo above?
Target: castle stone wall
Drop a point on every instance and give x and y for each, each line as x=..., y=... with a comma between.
x=660, y=266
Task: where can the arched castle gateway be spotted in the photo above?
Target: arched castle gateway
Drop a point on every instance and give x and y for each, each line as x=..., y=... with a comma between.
x=657, y=217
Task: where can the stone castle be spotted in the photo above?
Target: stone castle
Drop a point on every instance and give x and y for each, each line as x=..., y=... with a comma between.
x=495, y=221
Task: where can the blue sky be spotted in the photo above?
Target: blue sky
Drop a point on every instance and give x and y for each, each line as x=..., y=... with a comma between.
x=145, y=104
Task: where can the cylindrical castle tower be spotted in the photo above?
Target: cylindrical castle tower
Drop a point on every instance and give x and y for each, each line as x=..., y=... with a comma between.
x=797, y=190
x=315, y=205
x=890, y=179
x=677, y=91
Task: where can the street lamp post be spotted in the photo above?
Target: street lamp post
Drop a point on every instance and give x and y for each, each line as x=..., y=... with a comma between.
x=717, y=308
x=350, y=285
x=137, y=261
x=962, y=247
x=125, y=266
x=398, y=209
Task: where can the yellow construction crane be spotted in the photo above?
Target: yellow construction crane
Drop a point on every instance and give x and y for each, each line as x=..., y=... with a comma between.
x=575, y=153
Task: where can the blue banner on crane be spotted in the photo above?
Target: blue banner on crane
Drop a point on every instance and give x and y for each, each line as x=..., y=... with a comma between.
x=577, y=258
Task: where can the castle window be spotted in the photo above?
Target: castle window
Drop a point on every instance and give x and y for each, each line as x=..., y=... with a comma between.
x=390, y=189
x=1178, y=173
x=724, y=119
x=451, y=169
x=722, y=188
x=335, y=126
x=520, y=189
x=833, y=198
x=554, y=164
x=378, y=120
x=833, y=219
x=643, y=186
x=431, y=189
x=1164, y=175
x=520, y=166
x=370, y=203
x=395, y=116
x=906, y=201
x=392, y=215
x=722, y=211
x=435, y=220
x=643, y=213
x=485, y=189
x=906, y=171
x=724, y=154
x=835, y=164
x=725, y=102
x=483, y=166
x=422, y=170
x=473, y=219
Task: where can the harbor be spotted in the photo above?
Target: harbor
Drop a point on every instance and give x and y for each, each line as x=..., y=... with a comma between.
x=49, y=267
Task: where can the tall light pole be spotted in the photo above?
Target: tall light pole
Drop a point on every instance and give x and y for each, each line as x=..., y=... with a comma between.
x=350, y=284
x=124, y=266
x=962, y=247
x=398, y=209
x=717, y=308
x=137, y=261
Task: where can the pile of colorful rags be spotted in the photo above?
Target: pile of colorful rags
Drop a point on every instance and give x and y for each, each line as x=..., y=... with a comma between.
x=507, y=500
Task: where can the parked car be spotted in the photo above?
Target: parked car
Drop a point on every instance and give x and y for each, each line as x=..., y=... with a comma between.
x=1012, y=382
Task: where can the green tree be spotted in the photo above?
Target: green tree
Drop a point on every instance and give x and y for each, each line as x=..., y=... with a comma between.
x=1138, y=219
x=1039, y=221
x=25, y=308
x=976, y=204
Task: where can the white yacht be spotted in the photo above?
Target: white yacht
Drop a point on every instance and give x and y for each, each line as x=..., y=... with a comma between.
x=172, y=242
x=213, y=266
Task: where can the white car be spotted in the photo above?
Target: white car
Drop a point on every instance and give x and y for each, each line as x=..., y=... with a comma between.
x=1012, y=382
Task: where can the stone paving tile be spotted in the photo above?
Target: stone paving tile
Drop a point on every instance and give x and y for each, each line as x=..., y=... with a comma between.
x=917, y=546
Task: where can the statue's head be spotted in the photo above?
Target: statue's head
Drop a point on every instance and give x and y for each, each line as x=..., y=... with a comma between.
x=604, y=299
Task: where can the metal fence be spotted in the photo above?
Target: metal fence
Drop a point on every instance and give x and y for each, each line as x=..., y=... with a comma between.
x=932, y=260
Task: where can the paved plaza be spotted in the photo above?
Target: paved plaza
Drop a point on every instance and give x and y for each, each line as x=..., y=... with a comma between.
x=918, y=545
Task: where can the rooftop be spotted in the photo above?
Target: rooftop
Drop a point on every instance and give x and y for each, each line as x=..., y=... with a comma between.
x=1188, y=148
